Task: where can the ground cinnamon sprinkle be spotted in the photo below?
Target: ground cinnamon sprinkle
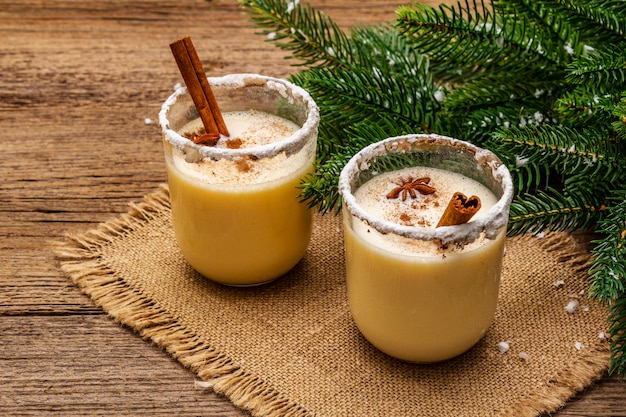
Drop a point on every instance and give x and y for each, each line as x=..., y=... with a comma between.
x=234, y=143
x=404, y=217
x=243, y=165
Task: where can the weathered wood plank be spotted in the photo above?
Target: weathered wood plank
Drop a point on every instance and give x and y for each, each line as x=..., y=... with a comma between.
x=79, y=78
x=82, y=365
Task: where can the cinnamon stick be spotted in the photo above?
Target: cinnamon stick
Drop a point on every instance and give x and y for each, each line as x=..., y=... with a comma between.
x=460, y=210
x=198, y=86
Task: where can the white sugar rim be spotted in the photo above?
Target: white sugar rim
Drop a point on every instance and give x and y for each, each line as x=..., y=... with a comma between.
x=289, y=145
x=490, y=224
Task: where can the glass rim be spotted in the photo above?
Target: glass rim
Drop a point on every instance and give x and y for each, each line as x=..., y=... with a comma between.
x=490, y=224
x=290, y=144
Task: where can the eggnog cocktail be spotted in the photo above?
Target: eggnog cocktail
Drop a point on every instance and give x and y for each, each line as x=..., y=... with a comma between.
x=419, y=292
x=235, y=208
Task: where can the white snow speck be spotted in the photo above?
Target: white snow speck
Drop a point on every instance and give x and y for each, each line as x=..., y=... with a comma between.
x=439, y=96
x=292, y=5
x=559, y=283
x=503, y=347
x=579, y=346
x=148, y=121
x=572, y=306
x=202, y=384
x=523, y=355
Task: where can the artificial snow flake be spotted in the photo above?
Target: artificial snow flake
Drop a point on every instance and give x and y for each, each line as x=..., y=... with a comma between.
x=439, y=96
x=520, y=161
x=572, y=306
x=202, y=384
x=503, y=347
x=292, y=5
x=612, y=274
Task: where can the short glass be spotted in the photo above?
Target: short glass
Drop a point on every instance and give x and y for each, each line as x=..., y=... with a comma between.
x=418, y=292
x=236, y=211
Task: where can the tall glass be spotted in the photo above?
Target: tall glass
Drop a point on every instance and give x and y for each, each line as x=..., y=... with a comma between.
x=419, y=292
x=236, y=213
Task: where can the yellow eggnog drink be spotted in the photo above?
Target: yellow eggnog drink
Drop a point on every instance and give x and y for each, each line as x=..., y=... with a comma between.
x=418, y=292
x=235, y=208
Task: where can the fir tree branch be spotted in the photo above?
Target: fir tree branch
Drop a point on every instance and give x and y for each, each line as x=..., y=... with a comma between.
x=608, y=276
x=550, y=211
x=499, y=100
x=351, y=95
x=619, y=112
x=559, y=37
x=598, y=21
x=539, y=153
x=474, y=42
x=313, y=38
x=601, y=70
x=608, y=266
x=617, y=332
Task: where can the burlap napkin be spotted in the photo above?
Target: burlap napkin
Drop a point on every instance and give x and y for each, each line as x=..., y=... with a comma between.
x=290, y=348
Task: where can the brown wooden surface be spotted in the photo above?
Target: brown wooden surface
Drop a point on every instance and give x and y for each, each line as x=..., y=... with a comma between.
x=77, y=80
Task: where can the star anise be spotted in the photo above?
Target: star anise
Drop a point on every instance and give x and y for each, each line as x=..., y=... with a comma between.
x=409, y=186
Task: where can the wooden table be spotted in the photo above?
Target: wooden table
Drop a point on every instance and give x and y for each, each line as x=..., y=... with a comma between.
x=80, y=82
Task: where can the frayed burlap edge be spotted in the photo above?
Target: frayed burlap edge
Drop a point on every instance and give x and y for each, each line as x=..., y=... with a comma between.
x=81, y=260
x=589, y=368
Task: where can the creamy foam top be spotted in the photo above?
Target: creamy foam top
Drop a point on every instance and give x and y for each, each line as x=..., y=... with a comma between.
x=252, y=128
x=488, y=225
x=424, y=211
x=297, y=96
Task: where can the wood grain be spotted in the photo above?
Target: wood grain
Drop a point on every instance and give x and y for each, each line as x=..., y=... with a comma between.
x=78, y=81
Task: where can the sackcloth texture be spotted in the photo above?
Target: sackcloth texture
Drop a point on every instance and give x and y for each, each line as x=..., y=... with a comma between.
x=290, y=348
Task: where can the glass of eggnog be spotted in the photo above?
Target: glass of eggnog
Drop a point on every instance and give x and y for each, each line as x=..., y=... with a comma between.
x=420, y=291
x=235, y=204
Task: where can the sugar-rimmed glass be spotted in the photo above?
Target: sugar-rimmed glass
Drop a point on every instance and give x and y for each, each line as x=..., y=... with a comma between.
x=418, y=292
x=245, y=226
